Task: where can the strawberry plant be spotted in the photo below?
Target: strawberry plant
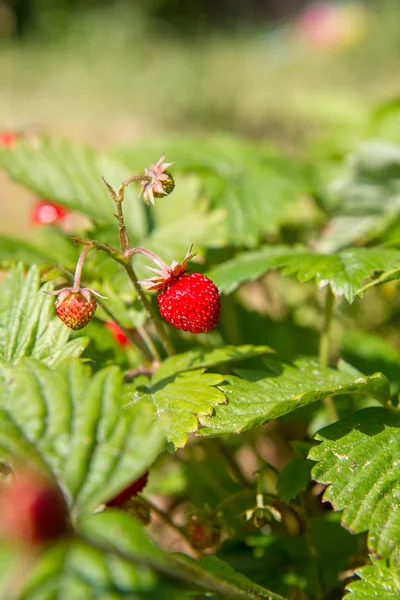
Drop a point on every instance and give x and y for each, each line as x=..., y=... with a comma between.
x=227, y=428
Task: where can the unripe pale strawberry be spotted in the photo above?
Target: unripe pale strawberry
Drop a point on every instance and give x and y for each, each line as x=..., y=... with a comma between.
x=33, y=510
x=191, y=302
x=76, y=308
x=167, y=185
x=132, y=490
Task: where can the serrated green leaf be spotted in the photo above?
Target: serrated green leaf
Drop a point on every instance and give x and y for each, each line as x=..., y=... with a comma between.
x=114, y=529
x=66, y=173
x=28, y=325
x=248, y=266
x=294, y=478
x=376, y=583
x=359, y=457
x=182, y=401
x=195, y=359
x=345, y=271
x=255, y=397
x=74, y=425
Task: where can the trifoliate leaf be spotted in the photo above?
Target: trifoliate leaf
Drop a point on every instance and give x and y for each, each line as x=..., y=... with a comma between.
x=294, y=478
x=359, y=458
x=255, y=397
x=28, y=324
x=74, y=425
x=181, y=401
x=195, y=359
x=376, y=583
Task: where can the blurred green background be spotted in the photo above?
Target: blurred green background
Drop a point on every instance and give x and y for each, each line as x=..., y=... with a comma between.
x=288, y=71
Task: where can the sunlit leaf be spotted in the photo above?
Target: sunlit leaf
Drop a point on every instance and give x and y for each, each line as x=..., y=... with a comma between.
x=359, y=458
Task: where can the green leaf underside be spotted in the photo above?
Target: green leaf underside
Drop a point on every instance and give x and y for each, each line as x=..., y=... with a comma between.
x=345, y=271
x=74, y=425
x=66, y=173
x=255, y=397
x=28, y=325
x=180, y=402
x=115, y=529
x=360, y=458
x=195, y=359
x=376, y=583
x=81, y=572
x=294, y=478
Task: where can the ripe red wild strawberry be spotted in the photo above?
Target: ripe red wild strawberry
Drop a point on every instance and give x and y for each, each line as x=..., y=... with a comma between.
x=188, y=301
x=132, y=490
x=76, y=308
x=191, y=302
x=33, y=510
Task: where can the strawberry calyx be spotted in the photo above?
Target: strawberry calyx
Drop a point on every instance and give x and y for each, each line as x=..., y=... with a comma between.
x=165, y=274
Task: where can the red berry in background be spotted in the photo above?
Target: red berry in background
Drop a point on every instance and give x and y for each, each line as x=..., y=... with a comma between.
x=191, y=302
x=7, y=139
x=46, y=212
x=132, y=490
x=202, y=534
x=33, y=510
x=76, y=308
x=119, y=336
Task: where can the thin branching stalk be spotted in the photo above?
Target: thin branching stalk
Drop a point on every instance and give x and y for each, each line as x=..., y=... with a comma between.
x=324, y=348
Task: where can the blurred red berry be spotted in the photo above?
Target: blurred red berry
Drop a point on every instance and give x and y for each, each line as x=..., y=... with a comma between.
x=202, y=533
x=132, y=490
x=7, y=139
x=33, y=510
x=119, y=336
x=46, y=212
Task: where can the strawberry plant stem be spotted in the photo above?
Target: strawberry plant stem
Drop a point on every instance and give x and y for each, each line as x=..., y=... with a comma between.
x=149, y=310
x=324, y=348
x=78, y=271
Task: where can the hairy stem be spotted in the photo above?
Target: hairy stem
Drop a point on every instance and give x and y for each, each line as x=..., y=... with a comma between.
x=149, y=309
x=78, y=270
x=324, y=348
